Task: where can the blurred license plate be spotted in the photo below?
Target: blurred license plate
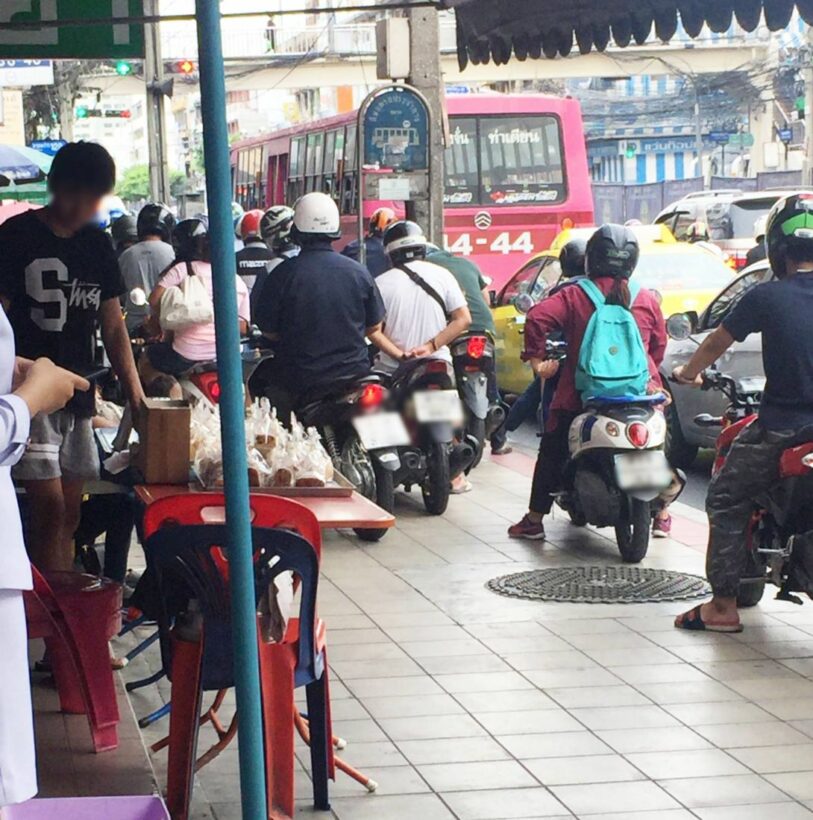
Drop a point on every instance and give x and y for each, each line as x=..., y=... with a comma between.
x=380, y=430
x=438, y=405
x=646, y=470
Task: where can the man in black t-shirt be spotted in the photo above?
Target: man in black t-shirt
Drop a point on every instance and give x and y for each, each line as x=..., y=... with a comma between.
x=781, y=312
x=59, y=282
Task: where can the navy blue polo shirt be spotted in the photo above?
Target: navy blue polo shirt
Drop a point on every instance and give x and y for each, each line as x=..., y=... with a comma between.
x=377, y=260
x=320, y=304
x=781, y=311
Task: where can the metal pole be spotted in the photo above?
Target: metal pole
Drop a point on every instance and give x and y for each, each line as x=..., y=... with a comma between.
x=232, y=420
x=360, y=181
x=698, y=130
x=156, y=114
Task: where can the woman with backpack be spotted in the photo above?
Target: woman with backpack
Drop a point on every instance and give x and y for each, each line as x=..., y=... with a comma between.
x=610, y=259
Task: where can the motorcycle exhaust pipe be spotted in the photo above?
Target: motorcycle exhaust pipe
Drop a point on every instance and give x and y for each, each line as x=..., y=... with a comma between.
x=412, y=461
x=495, y=418
x=461, y=457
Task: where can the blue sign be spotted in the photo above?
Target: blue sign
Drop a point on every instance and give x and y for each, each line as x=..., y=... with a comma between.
x=786, y=135
x=720, y=137
x=49, y=147
x=396, y=131
x=667, y=145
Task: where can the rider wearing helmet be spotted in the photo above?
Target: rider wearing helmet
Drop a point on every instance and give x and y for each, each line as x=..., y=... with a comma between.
x=375, y=256
x=143, y=263
x=124, y=233
x=275, y=229
x=758, y=252
x=610, y=258
x=254, y=258
x=426, y=308
x=195, y=343
x=318, y=307
x=780, y=311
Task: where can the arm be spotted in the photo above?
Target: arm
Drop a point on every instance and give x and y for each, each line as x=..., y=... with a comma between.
x=117, y=344
x=460, y=323
x=714, y=345
x=380, y=339
x=153, y=323
x=544, y=318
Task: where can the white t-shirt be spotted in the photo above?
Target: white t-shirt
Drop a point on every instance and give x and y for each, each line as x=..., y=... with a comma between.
x=413, y=316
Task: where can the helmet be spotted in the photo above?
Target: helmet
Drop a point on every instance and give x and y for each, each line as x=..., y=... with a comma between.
x=155, y=219
x=698, y=232
x=759, y=228
x=571, y=258
x=316, y=214
x=191, y=240
x=275, y=226
x=237, y=211
x=249, y=224
x=381, y=219
x=789, y=233
x=404, y=240
x=611, y=251
x=124, y=230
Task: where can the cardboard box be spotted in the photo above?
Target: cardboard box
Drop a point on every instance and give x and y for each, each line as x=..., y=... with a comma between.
x=162, y=454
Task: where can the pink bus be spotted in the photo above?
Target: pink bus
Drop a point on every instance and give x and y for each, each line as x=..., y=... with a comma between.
x=516, y=174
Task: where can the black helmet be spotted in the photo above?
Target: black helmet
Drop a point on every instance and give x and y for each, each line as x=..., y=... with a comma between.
x=404, y=241
x=124, y=230
x=275, y=227
x=789, y=232
x=611, y=251
x=155, y=219
x=191, y=240
x=571, y=258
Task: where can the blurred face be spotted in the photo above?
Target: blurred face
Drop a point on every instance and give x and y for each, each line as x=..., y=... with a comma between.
x=73, y=209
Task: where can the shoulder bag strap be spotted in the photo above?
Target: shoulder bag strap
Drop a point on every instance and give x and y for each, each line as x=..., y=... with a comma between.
x=425, y=287
x=593, y=292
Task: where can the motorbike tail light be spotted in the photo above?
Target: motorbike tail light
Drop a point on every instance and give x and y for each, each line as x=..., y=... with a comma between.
x=638, y=434
x=808, y=460
x=436, y=366
x=612, y=429
x=214, y=391
x=476, y=346
x=371, y=396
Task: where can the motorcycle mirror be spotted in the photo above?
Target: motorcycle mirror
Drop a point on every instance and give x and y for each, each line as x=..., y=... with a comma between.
x=138, y=297
x=524, y=302
x=680, y=326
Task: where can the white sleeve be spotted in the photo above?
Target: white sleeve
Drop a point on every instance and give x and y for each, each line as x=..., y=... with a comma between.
x=453, y=294
x=15, y=421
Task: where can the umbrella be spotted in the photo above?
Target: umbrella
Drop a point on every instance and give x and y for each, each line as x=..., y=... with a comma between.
x=19, y=164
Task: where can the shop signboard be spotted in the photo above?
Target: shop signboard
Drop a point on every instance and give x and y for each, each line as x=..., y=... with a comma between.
x=720, y=137
x=23, y=73
x=49, y=147
x=396, y=131
x=32, y=29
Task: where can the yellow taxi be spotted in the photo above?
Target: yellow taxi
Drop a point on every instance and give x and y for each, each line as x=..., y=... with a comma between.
x=686, y=277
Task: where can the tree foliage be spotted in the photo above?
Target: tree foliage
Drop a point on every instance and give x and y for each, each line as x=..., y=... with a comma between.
x=134, y=183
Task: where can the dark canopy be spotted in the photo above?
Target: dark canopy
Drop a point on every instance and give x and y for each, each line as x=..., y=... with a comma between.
x=494, y=29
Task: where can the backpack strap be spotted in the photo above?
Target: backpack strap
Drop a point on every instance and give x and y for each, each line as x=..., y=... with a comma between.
x=425, y=287
x=593, y=292
x=190, y=271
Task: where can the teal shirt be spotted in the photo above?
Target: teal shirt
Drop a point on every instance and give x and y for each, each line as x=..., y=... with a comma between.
x=471, y=282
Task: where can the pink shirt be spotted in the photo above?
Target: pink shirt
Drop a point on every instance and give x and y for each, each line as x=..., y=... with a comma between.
x=197, y=343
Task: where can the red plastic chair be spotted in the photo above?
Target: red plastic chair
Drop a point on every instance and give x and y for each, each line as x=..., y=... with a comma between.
x=77, y=615
x=280, y=670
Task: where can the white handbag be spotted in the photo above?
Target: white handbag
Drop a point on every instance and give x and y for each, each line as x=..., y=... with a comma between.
x=186, y=304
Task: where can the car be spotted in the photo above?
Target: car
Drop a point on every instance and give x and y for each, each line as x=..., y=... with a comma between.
x=686, y=278
x=743, y=361
x=732, y=218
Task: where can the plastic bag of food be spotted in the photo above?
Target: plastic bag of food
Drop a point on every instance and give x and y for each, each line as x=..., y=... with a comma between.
x=313, y=466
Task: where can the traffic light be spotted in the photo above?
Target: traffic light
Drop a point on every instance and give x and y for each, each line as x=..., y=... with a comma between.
x=124, y=68
x=186, y=67
x=630, y=151
x=81, y=112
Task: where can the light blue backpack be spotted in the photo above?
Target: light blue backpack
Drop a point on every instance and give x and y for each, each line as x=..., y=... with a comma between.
x=612, y=361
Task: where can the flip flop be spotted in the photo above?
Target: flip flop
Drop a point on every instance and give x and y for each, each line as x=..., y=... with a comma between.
x=693, y=622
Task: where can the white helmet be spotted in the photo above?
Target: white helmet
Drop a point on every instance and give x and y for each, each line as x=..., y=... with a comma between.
x=316, y=213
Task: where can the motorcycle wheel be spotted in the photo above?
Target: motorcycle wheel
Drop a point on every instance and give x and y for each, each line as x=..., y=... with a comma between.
x=679, y=453
x=477, y=429
x=358, y=468
x=751, y=592
x=577, y=519
x=437, y=485
x=632, y=532
x=384, y=497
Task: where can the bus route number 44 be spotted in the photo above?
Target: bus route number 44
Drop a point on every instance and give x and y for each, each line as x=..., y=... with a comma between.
x=463, y=246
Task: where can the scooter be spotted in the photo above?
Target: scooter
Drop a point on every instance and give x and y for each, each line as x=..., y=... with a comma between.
x=361, y=439
x=617, y=467
x=473, y=357
x=780, y=536
x=424, y=393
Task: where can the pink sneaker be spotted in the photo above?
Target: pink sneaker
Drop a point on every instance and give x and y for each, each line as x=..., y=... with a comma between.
x=531, y=530
x=662, y=527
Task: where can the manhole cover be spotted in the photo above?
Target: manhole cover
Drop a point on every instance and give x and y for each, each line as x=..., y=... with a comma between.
x=600, y=585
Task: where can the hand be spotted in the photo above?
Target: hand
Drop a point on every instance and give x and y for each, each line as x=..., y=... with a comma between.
x=680, y=378
x=546, y=369
x=21, y=368
x=422, y=351
x=48, y=388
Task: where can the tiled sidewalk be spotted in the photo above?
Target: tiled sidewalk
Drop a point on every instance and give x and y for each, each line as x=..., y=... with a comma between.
x=463, y=704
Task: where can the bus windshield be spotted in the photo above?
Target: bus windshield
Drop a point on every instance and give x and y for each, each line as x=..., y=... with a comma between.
x=499, y=160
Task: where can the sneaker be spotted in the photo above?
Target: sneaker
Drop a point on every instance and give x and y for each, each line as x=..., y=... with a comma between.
x=532, y=530
x=662, y=527
x=502, y=450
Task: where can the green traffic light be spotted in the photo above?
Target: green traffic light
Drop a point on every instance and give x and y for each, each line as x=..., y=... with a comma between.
x=81, y=112
x=123, y=68
x=631, y=152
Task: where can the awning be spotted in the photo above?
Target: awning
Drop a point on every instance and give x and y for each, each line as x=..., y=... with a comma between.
x=497, y=29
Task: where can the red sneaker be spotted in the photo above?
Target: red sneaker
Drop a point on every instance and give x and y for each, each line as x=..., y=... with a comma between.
x=531, y=530
x=662, y=527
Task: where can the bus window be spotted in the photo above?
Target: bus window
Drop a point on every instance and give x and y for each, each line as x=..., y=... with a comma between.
x=296, y=173
x=462, y=173
x=282, y=180
x=313, y=161
x=349, y=193
x=329, y=169
x=521, y=160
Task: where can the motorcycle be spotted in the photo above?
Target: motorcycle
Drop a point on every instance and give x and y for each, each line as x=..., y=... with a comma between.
x=780, y=536
x=424, y=393
x=361, y=439
x=617, y=467
x=473, y=359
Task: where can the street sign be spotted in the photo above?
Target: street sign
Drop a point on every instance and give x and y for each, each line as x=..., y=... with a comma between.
x=786, y=135
x=109, y=40
x=720, y=137
x=49, y=147
x=19, y=73
x=396, y=131
x=744, y=140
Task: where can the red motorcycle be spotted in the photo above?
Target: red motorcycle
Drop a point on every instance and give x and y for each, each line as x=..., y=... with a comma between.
x=780, y=535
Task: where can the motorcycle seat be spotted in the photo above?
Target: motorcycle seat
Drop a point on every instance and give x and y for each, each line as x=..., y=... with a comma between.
x=202, y=367
x=648, y=399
